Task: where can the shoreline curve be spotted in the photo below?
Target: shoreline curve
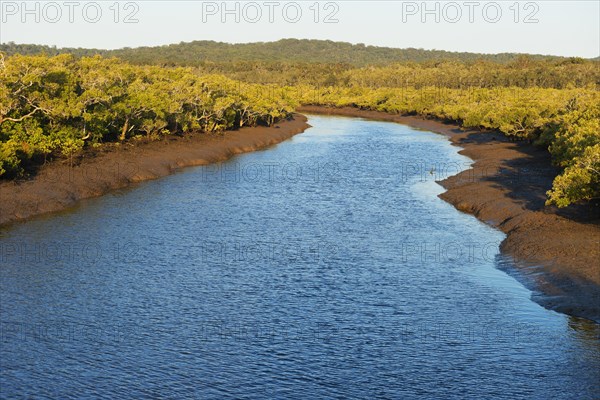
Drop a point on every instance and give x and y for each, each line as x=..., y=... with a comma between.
x=556, y=252
x=61, y=184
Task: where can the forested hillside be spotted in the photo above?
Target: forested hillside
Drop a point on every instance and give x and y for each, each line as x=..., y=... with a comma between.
x=283, y=51
x=326, y=63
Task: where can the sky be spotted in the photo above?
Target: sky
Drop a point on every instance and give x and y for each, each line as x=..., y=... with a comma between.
x=565, y=28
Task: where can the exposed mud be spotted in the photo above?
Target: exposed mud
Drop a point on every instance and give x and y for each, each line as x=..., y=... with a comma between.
x=557, y=251
x=61, y=184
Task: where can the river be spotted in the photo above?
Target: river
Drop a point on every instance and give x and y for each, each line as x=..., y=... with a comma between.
x=323, y=267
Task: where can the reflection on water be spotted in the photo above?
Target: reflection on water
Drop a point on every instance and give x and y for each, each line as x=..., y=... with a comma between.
x=586, y=330
x=286, y=273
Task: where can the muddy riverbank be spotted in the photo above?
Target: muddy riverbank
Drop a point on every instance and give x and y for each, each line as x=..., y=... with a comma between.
x=63, y=183
x=557, y=251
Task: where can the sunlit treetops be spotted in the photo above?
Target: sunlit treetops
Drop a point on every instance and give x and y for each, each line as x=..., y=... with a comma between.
x=55, y=106
x=52, y=106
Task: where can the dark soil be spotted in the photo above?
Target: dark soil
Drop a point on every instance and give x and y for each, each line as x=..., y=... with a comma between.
x=62, y=183
x=557, y=250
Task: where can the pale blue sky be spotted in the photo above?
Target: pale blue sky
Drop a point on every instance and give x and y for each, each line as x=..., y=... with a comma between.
x=569, y=28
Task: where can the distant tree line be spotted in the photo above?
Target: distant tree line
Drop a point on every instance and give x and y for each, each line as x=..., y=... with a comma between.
x=326, y=63
x=53, y=106
x=285, y=50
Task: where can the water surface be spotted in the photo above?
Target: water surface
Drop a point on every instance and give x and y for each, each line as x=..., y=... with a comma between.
x=323, y=267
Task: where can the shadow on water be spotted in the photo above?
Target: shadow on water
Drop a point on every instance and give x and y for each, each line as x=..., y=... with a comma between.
x=563, y=295
x=588, y=330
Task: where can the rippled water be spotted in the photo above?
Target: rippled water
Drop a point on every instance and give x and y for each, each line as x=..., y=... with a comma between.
x=325, y=266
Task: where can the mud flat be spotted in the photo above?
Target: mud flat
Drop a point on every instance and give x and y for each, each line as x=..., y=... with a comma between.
x=557, y=252
x=62, y=184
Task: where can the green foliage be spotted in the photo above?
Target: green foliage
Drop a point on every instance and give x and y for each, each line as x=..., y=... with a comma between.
x=579, y=181
x=285, y=50
x=576, y=147
x=55, y=106
x=328, y=63
x=567, y=121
